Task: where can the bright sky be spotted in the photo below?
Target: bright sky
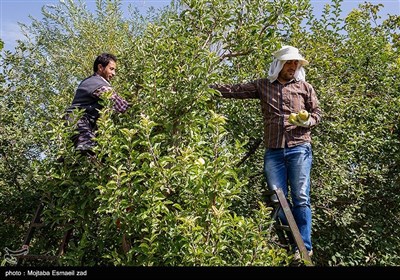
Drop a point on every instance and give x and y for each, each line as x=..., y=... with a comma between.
x=14, y=11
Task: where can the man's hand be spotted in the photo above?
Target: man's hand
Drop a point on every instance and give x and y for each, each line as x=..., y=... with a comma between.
x=306, y=123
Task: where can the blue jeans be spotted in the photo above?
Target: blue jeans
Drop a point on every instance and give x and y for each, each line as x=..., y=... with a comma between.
x=292, y=166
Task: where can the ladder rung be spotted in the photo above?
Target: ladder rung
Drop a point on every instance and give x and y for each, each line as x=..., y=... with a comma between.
x=37, y=225
x=284, y=227
x=32, y=257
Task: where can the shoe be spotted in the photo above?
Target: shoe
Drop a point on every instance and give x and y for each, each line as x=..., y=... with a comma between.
x=297, y=255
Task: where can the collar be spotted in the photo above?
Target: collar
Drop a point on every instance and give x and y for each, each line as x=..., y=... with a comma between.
x=291, y=81
x=95, y=74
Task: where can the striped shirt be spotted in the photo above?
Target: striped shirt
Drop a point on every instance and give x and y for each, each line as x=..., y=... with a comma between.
x=277, y=102
x=120, y=105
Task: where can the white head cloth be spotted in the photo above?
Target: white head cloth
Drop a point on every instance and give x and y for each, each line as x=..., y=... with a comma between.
x=281, y=56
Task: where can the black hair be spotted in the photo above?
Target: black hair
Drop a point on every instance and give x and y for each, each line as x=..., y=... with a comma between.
x=103, y=59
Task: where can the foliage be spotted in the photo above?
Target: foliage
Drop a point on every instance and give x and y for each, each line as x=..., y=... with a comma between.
x=168, y=186
x=356, y=147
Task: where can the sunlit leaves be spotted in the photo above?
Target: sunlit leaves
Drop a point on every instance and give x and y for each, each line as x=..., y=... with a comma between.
x=166, y=173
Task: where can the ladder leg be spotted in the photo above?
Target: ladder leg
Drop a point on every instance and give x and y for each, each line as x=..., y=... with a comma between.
x=36, y=223
x=64, y=242
x=293, y=226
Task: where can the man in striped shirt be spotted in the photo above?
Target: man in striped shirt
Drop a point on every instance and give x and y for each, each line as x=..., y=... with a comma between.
x=288, y=154
x=87, y=97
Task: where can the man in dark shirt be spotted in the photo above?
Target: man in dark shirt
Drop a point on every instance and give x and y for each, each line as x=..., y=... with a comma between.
x=288, y=154
x=87, y=97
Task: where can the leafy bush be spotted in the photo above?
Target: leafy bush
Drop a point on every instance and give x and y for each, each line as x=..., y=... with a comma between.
x=168, y=186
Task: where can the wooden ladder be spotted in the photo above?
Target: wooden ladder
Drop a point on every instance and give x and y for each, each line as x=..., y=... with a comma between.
x=38, y=223
x=278, y=201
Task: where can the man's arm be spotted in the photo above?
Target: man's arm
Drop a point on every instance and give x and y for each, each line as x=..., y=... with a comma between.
x=120, y=104
x=315, y=110
x=239, y=91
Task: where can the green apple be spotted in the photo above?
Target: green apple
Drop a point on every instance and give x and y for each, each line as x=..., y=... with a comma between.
x=292, y=117
x=303, y=115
